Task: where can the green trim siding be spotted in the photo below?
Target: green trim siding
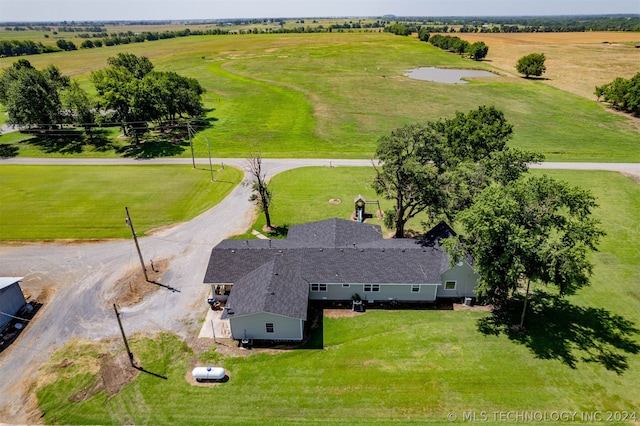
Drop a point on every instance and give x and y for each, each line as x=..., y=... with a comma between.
x=399, y=292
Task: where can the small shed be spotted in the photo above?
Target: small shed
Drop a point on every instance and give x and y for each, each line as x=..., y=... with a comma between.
x=11, y=299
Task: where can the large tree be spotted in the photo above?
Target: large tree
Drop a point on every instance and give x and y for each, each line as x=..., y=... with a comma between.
x=622, y=93
x=32, y=97
x=408, y=172
x=137, y=94
x=478, y=50
x=531, y=64
x=534, y=229
x=78, y=108
x=439, y=167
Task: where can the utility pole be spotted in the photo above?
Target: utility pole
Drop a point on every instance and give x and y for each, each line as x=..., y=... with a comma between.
x=193, y=158
x=210, y=165
x=135, y=239
x=124, y=337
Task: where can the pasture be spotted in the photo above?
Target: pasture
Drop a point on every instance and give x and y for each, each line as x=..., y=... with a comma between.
x=335, y=94
x=386, y=366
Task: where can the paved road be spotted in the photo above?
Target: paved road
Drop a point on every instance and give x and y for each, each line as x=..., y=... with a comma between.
x=83, y=273
x=278, y=165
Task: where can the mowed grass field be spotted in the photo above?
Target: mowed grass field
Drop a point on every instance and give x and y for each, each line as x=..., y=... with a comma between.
x=393, y=366
x=88, y=202
x=335, y=94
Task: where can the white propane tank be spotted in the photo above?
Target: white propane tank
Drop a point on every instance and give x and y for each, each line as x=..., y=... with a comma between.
x=209, y=374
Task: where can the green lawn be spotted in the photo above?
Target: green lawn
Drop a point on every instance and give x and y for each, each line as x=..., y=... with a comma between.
x=48, y=202
x=398, y=367
x=335, y=94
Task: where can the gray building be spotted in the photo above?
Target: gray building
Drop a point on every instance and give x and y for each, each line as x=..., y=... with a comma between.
x=330, y=260
x=11, y=299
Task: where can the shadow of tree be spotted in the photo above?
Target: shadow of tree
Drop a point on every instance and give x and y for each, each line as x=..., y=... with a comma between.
x=279, y=231
x=69, y=141
x=557, y=329
x=8, y=151
x=63, y=141
x=167, y=142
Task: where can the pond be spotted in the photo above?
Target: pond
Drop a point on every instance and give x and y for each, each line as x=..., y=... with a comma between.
x=442, y=75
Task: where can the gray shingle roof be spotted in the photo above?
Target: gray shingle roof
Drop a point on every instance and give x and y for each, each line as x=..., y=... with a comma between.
x=333, y=233
x=317, y=252
x=275, y=287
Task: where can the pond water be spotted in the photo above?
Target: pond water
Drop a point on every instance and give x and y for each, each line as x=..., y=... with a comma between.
x=442, y=75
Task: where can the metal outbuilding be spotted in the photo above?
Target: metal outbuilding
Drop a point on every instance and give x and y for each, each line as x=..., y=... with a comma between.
x=11, y=299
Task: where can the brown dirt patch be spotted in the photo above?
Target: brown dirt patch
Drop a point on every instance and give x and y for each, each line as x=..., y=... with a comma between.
x=133, y=288
x=335, y=201
x=480, y=308
x=634, y=176
x=340, y=313
x=576, y=62
x=114, y=374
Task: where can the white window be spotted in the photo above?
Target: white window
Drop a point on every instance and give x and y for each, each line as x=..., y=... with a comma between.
x=415, y=288
x=449, y=285
x=318, y=287
x=269, y=327
x=372, y=287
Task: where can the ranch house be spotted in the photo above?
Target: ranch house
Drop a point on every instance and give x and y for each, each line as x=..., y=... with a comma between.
x=269, y=282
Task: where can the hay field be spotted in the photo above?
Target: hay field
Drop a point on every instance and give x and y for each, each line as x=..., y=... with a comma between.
x=576, y=62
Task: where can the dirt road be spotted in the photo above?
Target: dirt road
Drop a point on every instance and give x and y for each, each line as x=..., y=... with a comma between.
x=82, y=275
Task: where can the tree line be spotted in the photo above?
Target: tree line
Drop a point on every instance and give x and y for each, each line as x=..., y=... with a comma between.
x=476, y=51
x=506, y=24
x=130, y=92
x=622, y=94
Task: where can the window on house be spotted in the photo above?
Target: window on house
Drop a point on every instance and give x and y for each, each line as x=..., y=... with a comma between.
x=372, y=287
x=346, y=285
x=415, y=289
x=269, y=327
x=318, y=287
x=449, y=285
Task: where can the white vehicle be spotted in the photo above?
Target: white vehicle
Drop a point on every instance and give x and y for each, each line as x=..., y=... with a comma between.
x=210, y=374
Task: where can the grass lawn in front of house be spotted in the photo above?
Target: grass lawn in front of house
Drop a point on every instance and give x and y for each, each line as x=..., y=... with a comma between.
x=87, y=202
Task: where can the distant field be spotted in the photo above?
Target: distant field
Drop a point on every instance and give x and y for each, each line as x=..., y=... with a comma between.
x=336, y=94
x=576, y=62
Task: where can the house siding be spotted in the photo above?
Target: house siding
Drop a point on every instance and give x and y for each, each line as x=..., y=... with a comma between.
x=284, y=328
x=466, y=281
x=398, y=292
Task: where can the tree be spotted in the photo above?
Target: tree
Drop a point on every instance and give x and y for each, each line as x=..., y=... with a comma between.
x=424, y=34
x=77, y=106
x=116, y=87
x=439, y=167
x=166, y=96
x=534, y=229
x=262, y=194
x=531, y=64
x=478, y=50
x=30, y=96
x=406, y=173
x=137, y=66
x=66, y=45
x=622, y=94
x=137, y=94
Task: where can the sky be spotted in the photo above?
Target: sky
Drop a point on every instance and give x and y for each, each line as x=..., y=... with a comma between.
x=103, y=10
